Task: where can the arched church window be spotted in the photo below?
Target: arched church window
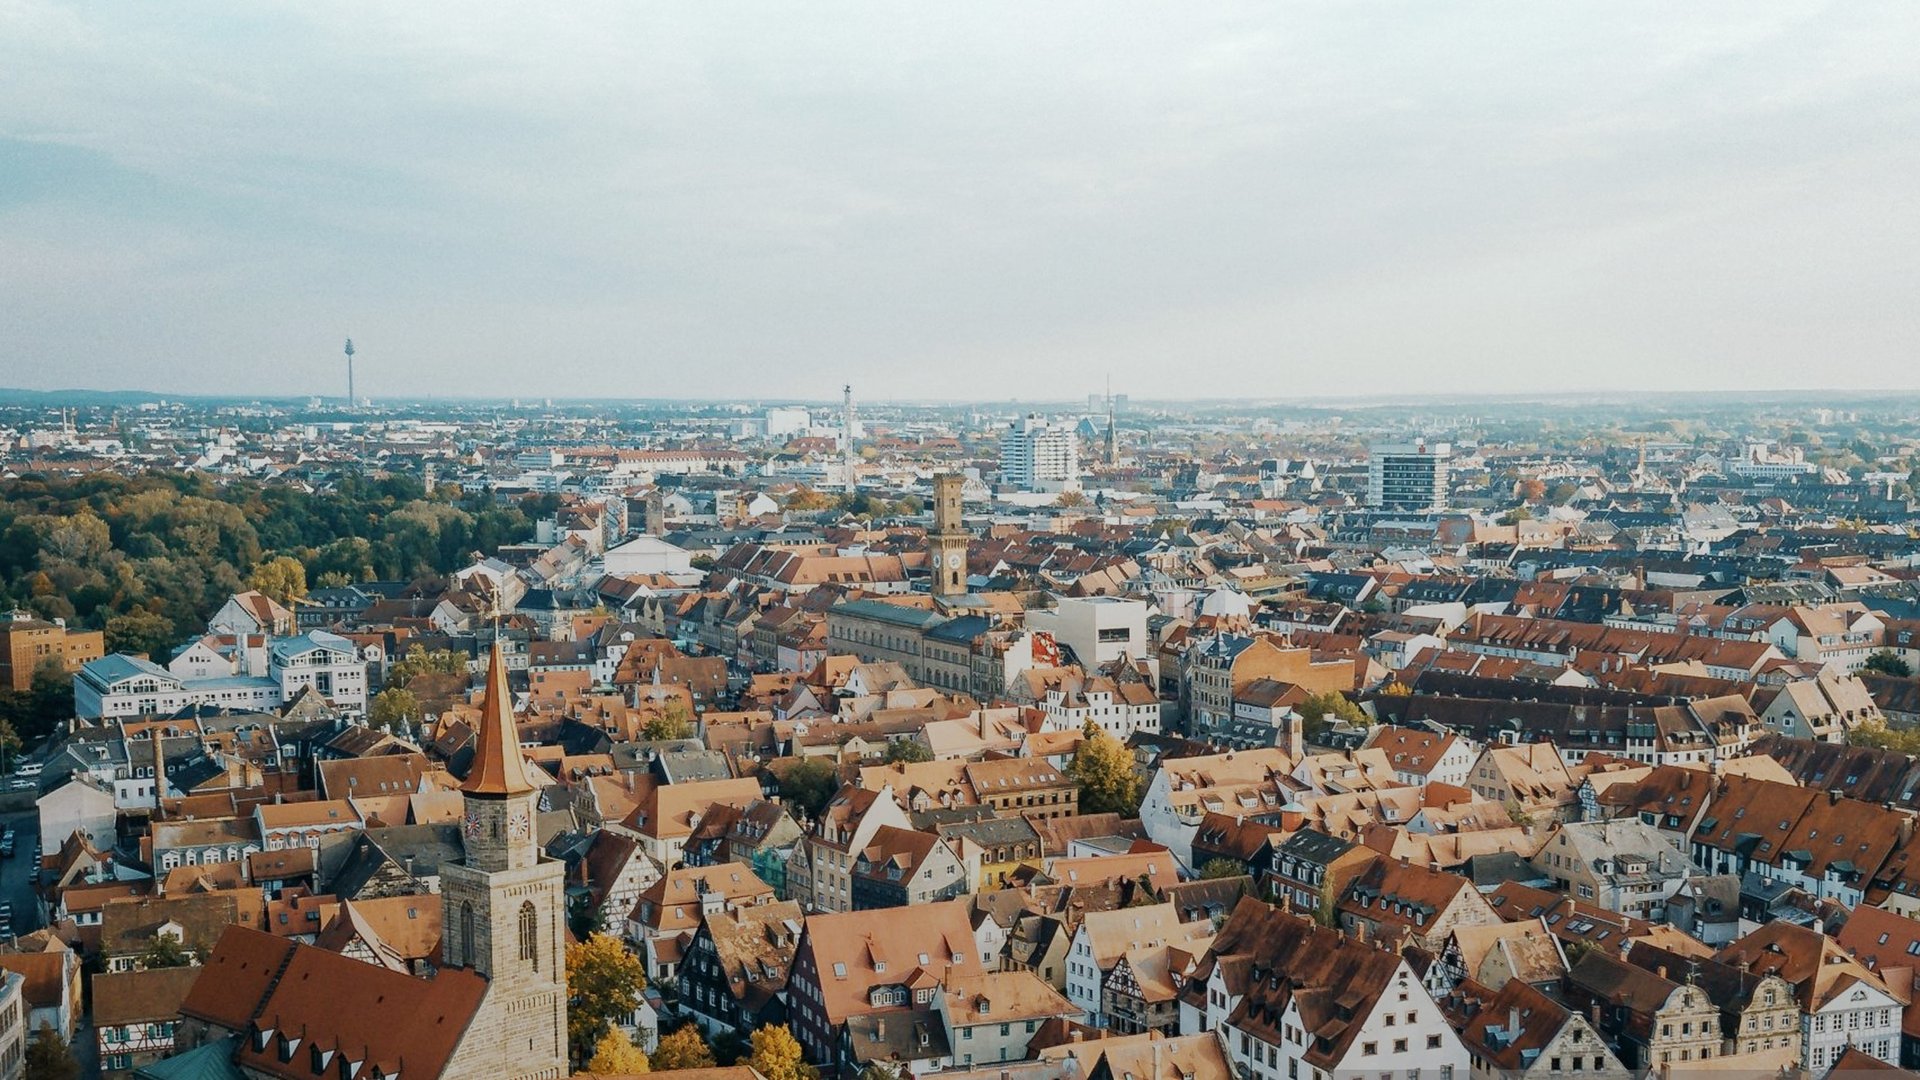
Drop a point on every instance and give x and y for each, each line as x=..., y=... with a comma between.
x=530, y=935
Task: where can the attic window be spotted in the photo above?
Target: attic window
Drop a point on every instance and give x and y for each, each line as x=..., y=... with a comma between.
x=839, y=971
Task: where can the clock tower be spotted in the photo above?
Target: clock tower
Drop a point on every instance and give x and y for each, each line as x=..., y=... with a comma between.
x=947, y=543
x=502, y=908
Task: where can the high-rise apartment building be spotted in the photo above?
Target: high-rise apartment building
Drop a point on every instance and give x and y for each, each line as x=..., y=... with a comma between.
x=1408, y=476
x=1037, y=455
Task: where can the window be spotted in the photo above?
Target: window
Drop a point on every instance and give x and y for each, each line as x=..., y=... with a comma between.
x=466, y=933
x=530, y=935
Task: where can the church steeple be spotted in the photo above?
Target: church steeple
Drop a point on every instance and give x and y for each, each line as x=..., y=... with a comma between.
x=499, y=792
x=499, y=768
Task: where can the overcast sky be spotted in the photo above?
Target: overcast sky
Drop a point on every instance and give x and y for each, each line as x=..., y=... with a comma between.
x=965, y=200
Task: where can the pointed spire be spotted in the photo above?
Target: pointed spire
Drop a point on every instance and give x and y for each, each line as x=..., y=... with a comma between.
x=498, y=766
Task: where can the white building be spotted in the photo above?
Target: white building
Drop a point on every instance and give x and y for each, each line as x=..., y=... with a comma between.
x=326, y=662
x=1408, y=476
x=1104, y=937
x=120, y=686
x=1036, y=455
x=787, y=420
x=13, y=1025
x=644, y=555
x=1099, y=629
x=82, y=804
x=1119, y=709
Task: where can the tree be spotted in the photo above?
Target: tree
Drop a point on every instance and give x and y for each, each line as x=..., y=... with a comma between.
x=1887, y=662
x=1327, y=911
x=392, y=707
x=282, y=577
x=424, y=661
x=1070, y=498
x=1877, y=734
x=682, y=1049
x=615, y=1055
x=1103, y=767
x=604, y=982
x=776, y=1055
x=1517, y=813
x=1221, y=868
x=810, y=784
x=164, y=951
x=804, y=499
x=9, y=744
x=1396, y=688
x=671, y=722
x=139, y=633
x=1321, y=711
x=48, y=1058
x=907, y=751
x=1516, y=515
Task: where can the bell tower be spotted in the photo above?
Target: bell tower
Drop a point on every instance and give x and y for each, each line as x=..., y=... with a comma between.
x=947, y=543
x=502, y=908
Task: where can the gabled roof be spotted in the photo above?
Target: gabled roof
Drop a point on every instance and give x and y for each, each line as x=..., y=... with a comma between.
x=291, y=1004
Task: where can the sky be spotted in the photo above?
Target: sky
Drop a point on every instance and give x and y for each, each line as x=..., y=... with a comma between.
x=975, y=201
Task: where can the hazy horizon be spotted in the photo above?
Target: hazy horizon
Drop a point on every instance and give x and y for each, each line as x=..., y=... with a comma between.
x=978, y=204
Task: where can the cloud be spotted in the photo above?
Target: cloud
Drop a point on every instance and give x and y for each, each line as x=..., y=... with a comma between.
x=981, y=201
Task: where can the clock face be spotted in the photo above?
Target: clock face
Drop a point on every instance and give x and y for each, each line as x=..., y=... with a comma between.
x=519, y=825
x=953, y=560
x=472, y=823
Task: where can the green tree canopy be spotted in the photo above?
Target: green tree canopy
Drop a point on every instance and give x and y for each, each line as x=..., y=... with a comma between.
x=423, y=661
x=1887, y=662
x=908, y=751
x=392, y=707
x=810, y=784
x=141, y=633
x=1322, y=711
x=164, y=951
x=49, y=1058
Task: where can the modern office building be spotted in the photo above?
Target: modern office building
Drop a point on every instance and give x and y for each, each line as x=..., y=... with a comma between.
x=1408, y=476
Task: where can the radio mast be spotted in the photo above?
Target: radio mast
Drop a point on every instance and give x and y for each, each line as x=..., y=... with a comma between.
x=846, y=435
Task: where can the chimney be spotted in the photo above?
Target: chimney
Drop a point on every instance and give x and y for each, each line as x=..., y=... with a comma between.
x=1513, y=1022
x=1833, y=796
x=1661, y=971
x=1593, y=1013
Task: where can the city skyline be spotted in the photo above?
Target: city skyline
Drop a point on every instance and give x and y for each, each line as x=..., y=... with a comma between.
x=639, y=202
